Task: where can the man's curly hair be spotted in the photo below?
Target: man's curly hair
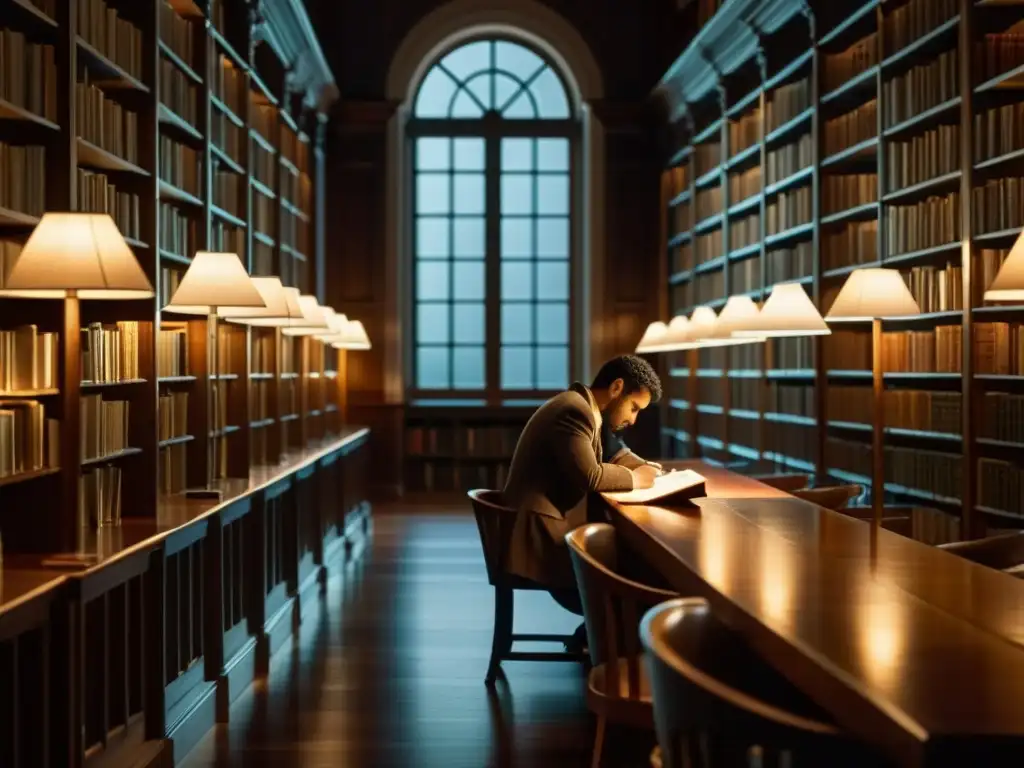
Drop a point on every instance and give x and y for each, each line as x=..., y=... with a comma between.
x=635, y=372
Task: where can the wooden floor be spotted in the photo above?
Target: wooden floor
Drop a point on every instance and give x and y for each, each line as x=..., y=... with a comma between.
x=390, y=672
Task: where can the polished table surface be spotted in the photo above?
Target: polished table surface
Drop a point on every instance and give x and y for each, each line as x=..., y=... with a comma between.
x=912, y=648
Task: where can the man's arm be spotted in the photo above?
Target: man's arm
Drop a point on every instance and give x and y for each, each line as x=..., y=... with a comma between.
x=617, y=452
x=573, y=448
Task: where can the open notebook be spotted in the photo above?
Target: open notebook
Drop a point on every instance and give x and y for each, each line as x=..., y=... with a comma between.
x=677, y=487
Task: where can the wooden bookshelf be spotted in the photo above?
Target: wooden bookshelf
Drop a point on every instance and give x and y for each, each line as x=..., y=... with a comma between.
x=867, y=134
x=196, y=90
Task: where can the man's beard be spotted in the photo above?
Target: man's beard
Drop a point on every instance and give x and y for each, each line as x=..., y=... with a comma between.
x=612, y=406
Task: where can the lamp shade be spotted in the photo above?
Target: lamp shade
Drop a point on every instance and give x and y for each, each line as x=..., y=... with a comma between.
x=704, y=330
x=873, y=293
x=271, y=291
x=788, y=311
x=653, y=338
x=214, y=280
x=662, y=337
x=354, y=337
x=81, y=254
x=291, y=316
x=314, y=319
x=739, y=312
x=1009, y=282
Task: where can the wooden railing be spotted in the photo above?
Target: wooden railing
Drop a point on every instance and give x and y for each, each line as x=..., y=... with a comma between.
x=132, y=660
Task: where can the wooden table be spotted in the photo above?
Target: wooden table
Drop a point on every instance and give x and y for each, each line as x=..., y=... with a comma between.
x=913, y=649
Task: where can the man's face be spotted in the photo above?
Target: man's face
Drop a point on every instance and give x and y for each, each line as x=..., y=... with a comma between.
x=622, y=410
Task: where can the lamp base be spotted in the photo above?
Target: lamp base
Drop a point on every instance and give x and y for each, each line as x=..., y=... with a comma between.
x=71, y=561
x=204, y=493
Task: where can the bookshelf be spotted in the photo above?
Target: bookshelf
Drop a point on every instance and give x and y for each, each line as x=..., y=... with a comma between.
x=181, y=120
x=841, y=136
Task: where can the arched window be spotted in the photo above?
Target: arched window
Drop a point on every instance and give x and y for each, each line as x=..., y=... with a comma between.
x=493, y=133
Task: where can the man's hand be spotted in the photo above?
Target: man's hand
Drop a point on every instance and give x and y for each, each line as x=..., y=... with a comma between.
x=654, y=464
x=643, y=476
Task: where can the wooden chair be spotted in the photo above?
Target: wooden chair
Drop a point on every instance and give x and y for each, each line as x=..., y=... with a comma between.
x=896, y=519
x=1004, y=551
x=716, y=702
x=833, y=497
x=785, y=482
x=617, y=688
x=494, y=523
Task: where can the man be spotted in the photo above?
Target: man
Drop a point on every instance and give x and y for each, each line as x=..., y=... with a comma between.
x=559, y=462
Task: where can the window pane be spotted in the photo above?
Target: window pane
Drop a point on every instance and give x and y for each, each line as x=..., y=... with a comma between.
x=517, y=154
x=552, y=323
x=521, y=107
x=469, y=154
x=468, y=368
x=553, y=238
x=469, y=193
x=480, y=86
x=550, y=95
x=504, y=89
x=465, y=107
x=432, y=236
x=432, y=281
x=552, y=154
x=516, y=59
x=432, y=323
x=469, y=238
x=552, y=280
x=516, y=194
x=517, y=368
x=433, y=154
x=552, y=368
x=435, y=94
x=467, y=59
x=517, y=323
x=516, y=238
x=553, y=194
x=516, y=280
x=431, y=193
x=469, y=281
x=470, y=323
x=432, y=368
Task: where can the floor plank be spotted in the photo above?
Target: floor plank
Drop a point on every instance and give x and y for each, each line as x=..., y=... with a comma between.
x=390, y=670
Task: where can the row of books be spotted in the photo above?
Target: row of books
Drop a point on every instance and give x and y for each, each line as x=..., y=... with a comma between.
x=840, y=193
x=228, y=85
x=227, y=193
x=795, y=441
x=263, y=119
x=792, y=158
x=430, y=477
x=259, y=400
x=999, y=349
x=28, y=74
x=177, y=231
x=99, y=497
x=987, y=263
x=676, y=179
x=28, y=360
x=473, y=441
x=110, y=353
x=261, y=355
x=96, y=194
x=264, y=164
x=997, y=53
x=180, y=166
x=745, y=275
x=23, y=179
x=679, y=219
x=264, y=212
x=745, y=132
x=851, y=128
x=178, y=94
x=177, y=33
x=708, y=246
x=786, y=102
x=745, y=231
x=905, y=24
x=709, y=202
x=172, y=352
x=28, y=440
x=289, y=396
x=795, y=400
x=841, y=67
x=931, y=351
x=294, y=232
x=792, y=353
x=227, y=237
x=681, y=257
x=1001, y=417
x=296, y=150
x=998, y=131
x=172, y=415
x=901, y=408
x=297, y=190
x=708, y=286
x=855, y=243
x=262, y=259
x=745, y=184
x=1000, y=486
x=925, y=156
x=227, y=136
x=706, y=157
x=115, y=37
x=231, y=341
x=170, y=278
x=106, y=123
x=998, y=205
x=10, y=250
x=921, y=88
x=928, y=473
x=789, y=263
x=104, y=426
x=936, y=289
x=173, y=468
x=789, y=209
x=928, y=224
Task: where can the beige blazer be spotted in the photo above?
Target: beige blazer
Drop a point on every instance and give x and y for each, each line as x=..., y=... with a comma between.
x=555, y=466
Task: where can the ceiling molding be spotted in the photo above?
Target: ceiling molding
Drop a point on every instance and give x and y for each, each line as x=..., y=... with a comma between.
x=721, y=46
x=290, y=34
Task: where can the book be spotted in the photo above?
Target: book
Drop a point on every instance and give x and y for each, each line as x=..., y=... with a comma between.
x=671, y=488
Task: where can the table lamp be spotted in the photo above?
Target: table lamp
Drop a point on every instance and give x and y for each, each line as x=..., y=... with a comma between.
x=738, y=312
x=671, y=337
x=314, y=318
x=213, y=281
x=871, y=294
x=291, y=314
x=353, y=338
x=74, y=256
x=788, y=311
x=1009, y=281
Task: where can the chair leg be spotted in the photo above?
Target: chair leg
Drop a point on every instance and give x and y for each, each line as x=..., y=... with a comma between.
x=595, y=761
x=501, y=642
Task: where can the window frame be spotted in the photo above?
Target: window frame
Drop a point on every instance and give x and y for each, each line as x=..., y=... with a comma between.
x=492, y=128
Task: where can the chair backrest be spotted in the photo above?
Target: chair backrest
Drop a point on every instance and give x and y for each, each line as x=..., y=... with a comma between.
x=896, y=519
x=612, y=604
x=1003, y=551
x=494, y=521
x=785, y=482
x=833, y=497
x=706, y=682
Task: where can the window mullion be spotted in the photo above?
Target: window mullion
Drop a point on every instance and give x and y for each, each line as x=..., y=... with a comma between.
x=492, y=297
